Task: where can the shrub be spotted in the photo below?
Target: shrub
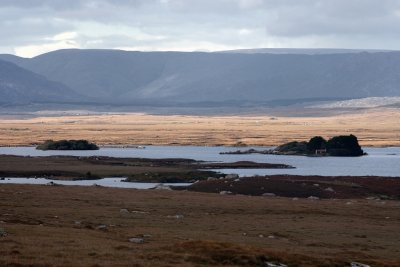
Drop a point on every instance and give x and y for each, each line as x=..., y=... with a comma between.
x=344, y=145
x=315, y=143
x=67, y=145
x=293, y=147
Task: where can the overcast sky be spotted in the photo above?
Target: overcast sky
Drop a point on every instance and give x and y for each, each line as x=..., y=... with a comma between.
x=32, y=27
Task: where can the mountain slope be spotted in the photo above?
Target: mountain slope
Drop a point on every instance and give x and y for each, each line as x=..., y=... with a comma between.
x=303, y=51
x=18, y=85
x=180, y=78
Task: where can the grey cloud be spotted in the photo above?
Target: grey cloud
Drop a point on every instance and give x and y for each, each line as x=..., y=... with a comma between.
x=27, y=27
x=70, y=4
x=338, y=18
x=27, y=4
x=282, y=22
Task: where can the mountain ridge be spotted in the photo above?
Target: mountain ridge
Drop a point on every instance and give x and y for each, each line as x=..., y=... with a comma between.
x=18, y=85
x=182, y=78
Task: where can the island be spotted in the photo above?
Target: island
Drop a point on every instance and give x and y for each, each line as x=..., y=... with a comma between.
x=67, y=145
x=337, y=146
x=174, y=170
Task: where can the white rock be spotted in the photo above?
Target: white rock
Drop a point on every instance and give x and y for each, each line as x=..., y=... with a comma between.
x=102, y=227
x=272, y=264
x=232, y=176
x=137, y=240
x=358, y=264
x=162, y=187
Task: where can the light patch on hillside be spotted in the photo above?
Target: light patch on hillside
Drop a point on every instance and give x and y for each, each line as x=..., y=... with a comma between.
x=368, y=102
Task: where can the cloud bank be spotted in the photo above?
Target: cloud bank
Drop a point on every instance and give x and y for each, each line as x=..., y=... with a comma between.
x=32, y=27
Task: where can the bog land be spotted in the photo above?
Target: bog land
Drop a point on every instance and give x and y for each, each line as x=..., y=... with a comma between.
x=97, y=226
x=347, y=219
x=373, y=127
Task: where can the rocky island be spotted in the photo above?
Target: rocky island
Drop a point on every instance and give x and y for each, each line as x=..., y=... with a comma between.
x=337, y=146
x=67, y=145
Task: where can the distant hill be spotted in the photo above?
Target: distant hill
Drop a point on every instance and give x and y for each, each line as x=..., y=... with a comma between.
x=225, y=78
x=20, y=86
x=304, y=51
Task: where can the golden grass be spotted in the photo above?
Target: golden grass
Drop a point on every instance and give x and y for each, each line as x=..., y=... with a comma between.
x=378, y=127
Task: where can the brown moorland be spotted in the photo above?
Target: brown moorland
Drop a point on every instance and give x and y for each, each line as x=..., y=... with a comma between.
x=333, y=187
x=373, y=127
x=91, y=226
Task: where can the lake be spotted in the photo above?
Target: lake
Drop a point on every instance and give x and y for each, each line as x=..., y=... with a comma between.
x=378, y=162
x=106, y=182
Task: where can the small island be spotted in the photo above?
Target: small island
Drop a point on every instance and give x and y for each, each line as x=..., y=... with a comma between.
x=338, y=146
x=67, y=145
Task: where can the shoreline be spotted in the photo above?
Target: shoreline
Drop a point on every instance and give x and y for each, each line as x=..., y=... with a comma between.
x=201, y=175
x=271, y=186
x=143, y=146
x=136, y=169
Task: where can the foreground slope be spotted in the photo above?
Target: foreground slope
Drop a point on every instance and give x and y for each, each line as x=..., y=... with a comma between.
x=91, y=226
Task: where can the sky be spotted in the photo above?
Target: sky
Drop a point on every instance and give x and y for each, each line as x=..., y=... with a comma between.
x=32, y=27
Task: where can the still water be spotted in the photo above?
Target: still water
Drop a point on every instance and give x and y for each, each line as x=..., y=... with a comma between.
x=106, y=182
x=378, y=162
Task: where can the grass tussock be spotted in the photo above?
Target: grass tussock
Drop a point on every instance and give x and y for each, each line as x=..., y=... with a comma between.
x=222, y=253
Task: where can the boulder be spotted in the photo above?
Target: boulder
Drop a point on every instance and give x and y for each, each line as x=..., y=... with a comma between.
x=232, y=176
x=358, y=264
x=136, y=240
x=102, y=227
x=162, y=187
x=275, y=264
x=3, y=232
x=123, y=211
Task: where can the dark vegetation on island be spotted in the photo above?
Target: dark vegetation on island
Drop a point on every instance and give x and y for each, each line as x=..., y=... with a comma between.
x=67, y=145
x=338, y=146
x=136, y=169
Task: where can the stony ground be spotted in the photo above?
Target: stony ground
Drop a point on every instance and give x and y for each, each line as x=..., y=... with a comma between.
x=333, y=187
x=95, y=226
